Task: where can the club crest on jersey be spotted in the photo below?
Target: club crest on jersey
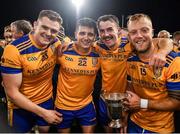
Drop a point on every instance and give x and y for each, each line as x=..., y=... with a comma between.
x=120, y=50
x=176, y=76
x=157, y=72
x=94, y=61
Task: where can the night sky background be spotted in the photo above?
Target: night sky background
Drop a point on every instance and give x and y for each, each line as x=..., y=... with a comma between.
x=165, y=14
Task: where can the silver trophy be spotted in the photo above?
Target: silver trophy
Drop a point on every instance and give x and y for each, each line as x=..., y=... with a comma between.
x=115, y=108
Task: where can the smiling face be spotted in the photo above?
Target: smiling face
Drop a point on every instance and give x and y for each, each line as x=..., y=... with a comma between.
x=108, y=32
x=45, y=31
x=85, y=36
x=140, y=34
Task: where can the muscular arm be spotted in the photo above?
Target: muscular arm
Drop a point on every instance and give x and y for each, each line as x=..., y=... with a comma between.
x=172, y=102
x=12, y=83
x=169, y=103
x=164, y=46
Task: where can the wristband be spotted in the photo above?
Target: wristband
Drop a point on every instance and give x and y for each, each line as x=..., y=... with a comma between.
x=144, y=103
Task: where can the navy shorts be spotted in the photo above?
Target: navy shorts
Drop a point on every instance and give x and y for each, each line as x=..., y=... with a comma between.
x=22, y=121
x=134, y=128
x=85, y=116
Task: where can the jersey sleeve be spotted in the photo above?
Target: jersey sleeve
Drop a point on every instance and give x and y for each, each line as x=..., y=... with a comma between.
x=10, y=61
x=173, y=78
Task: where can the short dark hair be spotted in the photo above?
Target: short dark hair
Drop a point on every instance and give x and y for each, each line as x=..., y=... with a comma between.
x=108, y=17
x=52, y=15
x=88, y=22
x=22, y=25
x=176, y=33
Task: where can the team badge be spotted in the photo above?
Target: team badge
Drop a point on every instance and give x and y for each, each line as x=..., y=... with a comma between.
x=94, y=61
x=120, y=50
x=157, y=72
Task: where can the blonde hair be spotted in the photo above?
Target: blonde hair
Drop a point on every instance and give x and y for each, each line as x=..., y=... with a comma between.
x=137, y=17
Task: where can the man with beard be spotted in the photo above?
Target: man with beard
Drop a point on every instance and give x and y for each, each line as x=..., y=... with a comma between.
x=155, y=92
x=114, y=50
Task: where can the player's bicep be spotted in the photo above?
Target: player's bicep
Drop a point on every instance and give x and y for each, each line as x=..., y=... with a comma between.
x=12, y=83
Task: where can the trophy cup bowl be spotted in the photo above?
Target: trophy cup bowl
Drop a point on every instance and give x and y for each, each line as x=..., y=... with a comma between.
x=115, y=108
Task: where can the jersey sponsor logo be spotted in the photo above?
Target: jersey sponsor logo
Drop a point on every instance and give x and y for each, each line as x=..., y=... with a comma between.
x=7, y=61
x=114, y=57
x=41, y=69
x=133, y=66
x=146, y=84
x=2, y=60
x=68, y=58
x=176, y=76
x=80, y=71
x=32, y=58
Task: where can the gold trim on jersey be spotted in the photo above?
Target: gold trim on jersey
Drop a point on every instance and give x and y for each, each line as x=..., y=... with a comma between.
x=169, y=59
x=24, y=46
x=23, y=43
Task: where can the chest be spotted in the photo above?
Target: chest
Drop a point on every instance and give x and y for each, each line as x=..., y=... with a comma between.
x=76, y=63
x=38, y=63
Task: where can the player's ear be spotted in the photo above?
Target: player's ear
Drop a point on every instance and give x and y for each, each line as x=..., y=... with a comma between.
x=75, y=33
x=35, y=23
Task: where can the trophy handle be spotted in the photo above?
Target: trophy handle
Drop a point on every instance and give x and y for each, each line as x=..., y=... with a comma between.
x=103, y=98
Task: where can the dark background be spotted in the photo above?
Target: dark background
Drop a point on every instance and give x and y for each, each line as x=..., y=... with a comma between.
x=164, y=13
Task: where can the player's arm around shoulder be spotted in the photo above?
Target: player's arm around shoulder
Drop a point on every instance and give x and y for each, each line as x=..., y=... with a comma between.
x=164, y=47
x=63, y=46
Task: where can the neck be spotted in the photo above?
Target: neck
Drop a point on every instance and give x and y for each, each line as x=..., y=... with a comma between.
x=148, y=54
x=81, y=50
x=37, y=43
x=114, y=46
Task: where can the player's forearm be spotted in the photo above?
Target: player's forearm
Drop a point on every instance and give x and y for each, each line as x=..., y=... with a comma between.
x=21, y=101
x=168, y=104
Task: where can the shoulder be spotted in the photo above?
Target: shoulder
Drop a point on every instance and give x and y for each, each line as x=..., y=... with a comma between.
x=172, y=57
